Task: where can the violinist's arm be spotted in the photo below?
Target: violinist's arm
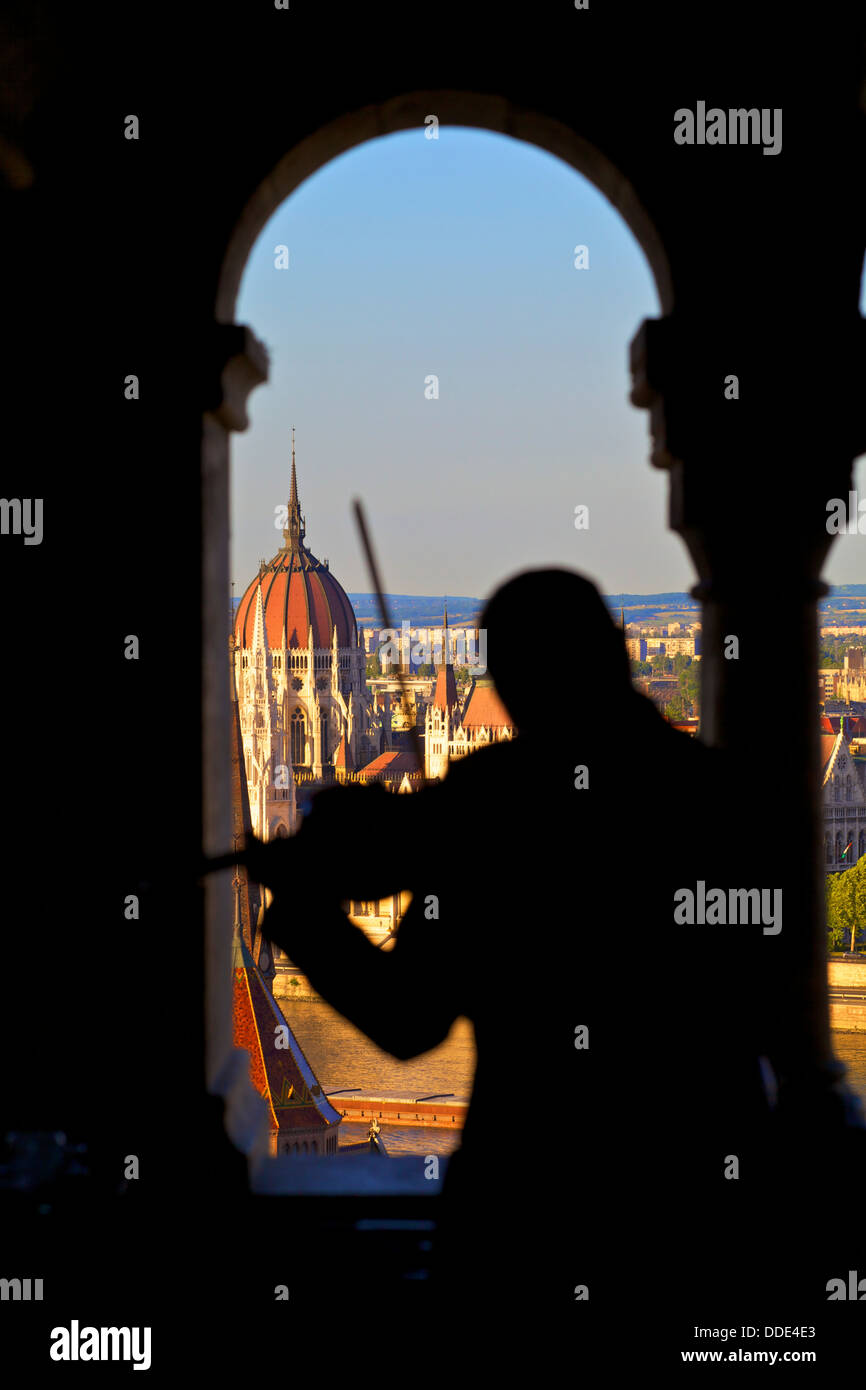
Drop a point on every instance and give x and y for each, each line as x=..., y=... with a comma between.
x=402, y=998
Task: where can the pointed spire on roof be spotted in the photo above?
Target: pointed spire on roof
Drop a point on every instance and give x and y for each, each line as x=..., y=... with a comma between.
x=294, y=530
x=445, y=694
x=260, y=632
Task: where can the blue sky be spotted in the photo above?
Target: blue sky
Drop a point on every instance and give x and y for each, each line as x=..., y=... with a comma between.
x=410, y=257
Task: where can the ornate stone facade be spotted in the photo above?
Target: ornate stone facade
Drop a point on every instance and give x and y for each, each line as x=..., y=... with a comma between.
x=300, y=674
x=451, y=731
x=844, y=800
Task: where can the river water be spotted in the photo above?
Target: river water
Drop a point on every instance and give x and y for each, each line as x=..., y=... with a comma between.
x=850, y=1048
x=341, y=1056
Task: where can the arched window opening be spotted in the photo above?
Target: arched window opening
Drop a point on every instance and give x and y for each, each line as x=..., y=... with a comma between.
x=631, y=444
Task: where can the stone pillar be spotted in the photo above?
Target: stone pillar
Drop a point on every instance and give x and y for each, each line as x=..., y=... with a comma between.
x=233, y=364
x=750, y=479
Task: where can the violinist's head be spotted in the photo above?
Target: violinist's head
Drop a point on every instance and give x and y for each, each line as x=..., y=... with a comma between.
x=550, y=637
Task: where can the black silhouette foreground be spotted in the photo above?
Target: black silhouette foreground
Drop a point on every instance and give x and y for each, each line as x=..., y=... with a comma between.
x=618, y=1053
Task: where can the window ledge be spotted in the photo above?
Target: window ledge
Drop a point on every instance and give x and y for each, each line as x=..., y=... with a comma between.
x=349, y=1175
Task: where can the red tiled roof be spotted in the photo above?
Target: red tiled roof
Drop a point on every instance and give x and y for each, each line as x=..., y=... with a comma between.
x=390, y=764
x=282, y=1075
x=485, y=710
x=828, y=743
x=855, y=725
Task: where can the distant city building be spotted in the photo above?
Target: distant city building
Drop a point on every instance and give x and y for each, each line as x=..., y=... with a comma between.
x=827, y=680
x=422, y=646
x=844, y=792
x=674, y=646
x=300, y=674
x=450, y=732
x=304, y=711
x=849, y=685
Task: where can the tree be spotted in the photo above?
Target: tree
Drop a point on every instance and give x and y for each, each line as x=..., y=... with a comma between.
x=374, y=666
x=835, y=929
x=846, y=906
x=689, y=684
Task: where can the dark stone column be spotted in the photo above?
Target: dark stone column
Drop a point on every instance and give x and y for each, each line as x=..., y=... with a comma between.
x=235, y=362
x=750, y=479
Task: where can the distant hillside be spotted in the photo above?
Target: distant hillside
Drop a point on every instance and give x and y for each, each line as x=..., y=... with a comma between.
x=425, y=610
x=419, y=610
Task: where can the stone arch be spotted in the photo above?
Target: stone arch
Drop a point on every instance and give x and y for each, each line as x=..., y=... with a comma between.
x=242, y=364
x=483, y=111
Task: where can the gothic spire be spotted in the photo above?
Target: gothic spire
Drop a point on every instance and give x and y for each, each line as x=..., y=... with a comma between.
x=445, y=693
x=294, y=530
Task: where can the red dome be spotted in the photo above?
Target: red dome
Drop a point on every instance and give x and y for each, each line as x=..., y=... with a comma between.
x=298, y=592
